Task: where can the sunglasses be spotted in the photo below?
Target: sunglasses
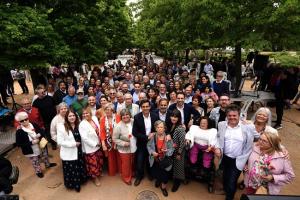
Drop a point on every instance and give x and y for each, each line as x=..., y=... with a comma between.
x=21, y=121
x=80, y=93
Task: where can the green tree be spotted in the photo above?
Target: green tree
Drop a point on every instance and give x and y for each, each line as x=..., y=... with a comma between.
x=27, y=38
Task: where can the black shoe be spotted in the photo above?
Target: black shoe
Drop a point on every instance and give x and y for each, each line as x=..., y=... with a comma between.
x=164, y=191
x=77, y=189
x=51, y=165
x=157, y=184
x=150, y=178
x=137, y=181
x=40, y=175
x=175, y=187
x=278, y=126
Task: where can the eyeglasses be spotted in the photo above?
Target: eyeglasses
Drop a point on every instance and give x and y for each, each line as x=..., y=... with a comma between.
x=21, y=121
x=80, y=93
x=112, y=93
x=263, y=141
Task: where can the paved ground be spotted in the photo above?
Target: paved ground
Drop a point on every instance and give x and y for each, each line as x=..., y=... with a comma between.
x=51, y=186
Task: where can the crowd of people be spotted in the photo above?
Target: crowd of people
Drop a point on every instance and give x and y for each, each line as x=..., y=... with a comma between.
x=159, y=120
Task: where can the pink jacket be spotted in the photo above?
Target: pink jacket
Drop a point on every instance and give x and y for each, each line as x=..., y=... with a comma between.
x=283, y=172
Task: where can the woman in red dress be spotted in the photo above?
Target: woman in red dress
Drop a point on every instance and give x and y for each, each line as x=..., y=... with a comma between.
x=107, y=123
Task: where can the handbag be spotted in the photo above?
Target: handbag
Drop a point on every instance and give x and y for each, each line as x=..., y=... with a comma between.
x=164, y=162
x=43, y=143
x=261, y=190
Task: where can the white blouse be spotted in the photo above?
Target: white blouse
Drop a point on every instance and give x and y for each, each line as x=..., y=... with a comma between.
x=202, y=136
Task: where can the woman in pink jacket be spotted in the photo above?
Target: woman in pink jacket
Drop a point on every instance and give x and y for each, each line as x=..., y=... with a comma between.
x=268, y=166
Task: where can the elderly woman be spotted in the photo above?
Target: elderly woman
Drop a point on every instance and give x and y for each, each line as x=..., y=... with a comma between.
x=62, y=109
x=107, y=124
x=69, y=140
x=89, y=130
x=177, y=133
x=126, y=145
x=262, y=119
x=28, y=138
x=160, y=156
x=268, y=166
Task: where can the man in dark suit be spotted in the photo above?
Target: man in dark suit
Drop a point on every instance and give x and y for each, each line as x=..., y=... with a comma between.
x=143, y=130
x=60, y=93
x=187, y=111
x=162, y=109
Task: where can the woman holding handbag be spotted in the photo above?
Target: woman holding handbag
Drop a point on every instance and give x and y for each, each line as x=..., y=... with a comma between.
x=107, y=124
x=28, y=138
x=160, y=156
x=89, y=132
x=69, y=140
x=267, y=166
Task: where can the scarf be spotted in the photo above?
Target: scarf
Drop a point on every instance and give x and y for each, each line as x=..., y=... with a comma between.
x=108, y=139
x=30, y=131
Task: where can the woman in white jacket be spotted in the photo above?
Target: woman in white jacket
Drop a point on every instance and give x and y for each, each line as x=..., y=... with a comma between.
x=89, y=130
x=68, y=138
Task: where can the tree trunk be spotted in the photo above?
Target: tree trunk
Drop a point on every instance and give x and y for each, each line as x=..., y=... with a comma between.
x=238, y=65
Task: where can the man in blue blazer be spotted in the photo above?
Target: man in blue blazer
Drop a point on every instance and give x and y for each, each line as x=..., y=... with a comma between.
x=143, y=130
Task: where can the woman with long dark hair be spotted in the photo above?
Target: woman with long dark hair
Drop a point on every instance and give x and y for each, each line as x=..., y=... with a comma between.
x=69, y=139
x=177, y=133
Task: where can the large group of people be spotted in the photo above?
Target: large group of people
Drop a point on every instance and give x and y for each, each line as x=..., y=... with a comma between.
x=148, y=119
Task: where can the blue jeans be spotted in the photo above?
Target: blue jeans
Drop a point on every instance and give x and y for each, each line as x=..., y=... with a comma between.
x=230, y=176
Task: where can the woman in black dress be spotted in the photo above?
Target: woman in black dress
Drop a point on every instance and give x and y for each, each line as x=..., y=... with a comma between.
x=68, y=138
x=177, y=133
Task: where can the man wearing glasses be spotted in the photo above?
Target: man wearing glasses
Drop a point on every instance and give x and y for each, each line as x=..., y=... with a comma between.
x=219, y=86
x=218, y=114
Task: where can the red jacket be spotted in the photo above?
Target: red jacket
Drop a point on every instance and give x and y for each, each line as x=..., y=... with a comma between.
x=33, y=116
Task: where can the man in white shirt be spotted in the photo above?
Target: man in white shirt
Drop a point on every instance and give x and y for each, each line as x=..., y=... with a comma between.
x=142, y=130
x=163, y=91
x=208, y=68
x=235, y=142
x=120, y=102
x=162, y=109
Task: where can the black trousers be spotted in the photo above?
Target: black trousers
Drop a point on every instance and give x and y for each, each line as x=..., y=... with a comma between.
x=22, y=83
x=279, y=110
x=3, y=93
x=142, y=159
x=230, y=176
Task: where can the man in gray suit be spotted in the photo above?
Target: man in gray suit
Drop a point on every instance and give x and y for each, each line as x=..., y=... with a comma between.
x=235, y=141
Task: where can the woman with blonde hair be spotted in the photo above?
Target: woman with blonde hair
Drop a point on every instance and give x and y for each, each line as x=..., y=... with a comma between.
x=107, y=124
x=268, y=167
x=89, y=130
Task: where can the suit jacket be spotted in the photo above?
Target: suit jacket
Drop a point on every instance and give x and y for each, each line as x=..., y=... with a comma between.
x=188, y=112
x=139, y=130
x=248, y=131
x=89, y=137
x=58, y=96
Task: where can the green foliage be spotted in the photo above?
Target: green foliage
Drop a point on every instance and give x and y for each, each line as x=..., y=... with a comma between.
x=34, y=33
x=286, y=59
